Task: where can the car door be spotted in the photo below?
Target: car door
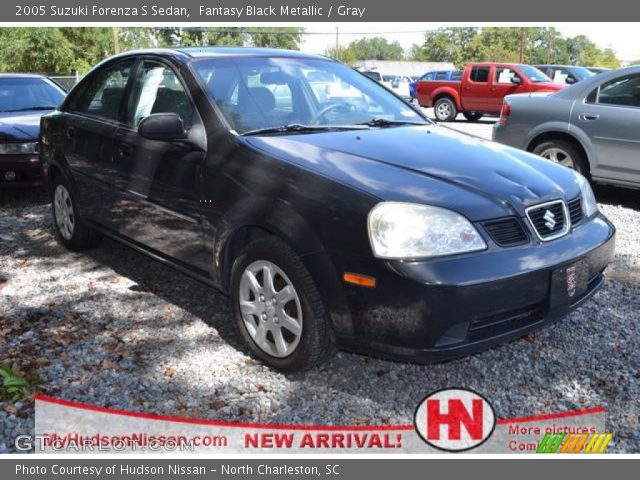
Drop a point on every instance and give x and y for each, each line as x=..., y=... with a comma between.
x=476, y=89
x=610, y=117
x=92, y=117
x=502, y=85
x=161, y=178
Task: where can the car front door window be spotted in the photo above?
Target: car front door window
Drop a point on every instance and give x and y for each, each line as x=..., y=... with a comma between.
x=159, y=90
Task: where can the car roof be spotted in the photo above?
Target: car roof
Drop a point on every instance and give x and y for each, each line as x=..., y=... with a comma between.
x=188, y=53
x=21, y=75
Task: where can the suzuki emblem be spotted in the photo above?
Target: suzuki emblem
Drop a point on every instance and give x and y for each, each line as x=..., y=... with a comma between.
x=549, y=219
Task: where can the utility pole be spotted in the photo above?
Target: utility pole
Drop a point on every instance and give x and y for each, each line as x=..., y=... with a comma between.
x=337, y=43
x=116, y=40
x=522, y=38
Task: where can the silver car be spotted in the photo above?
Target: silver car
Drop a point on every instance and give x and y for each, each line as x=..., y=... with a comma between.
x=592, y=126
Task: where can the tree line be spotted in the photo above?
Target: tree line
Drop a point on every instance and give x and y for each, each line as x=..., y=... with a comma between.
x=461, y=45
x=66, y=50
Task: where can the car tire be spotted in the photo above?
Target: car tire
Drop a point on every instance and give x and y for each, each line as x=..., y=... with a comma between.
x=289, y=335
x=71, y=230
x=472, y=117
x=565, y=153
x=445, y=109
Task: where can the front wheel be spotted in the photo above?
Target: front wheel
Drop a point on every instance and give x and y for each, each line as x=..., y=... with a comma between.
x=472, y=117
x=278, y=310
x=445, y=110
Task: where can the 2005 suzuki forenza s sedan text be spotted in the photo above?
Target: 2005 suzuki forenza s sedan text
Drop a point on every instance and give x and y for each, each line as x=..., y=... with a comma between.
x=332, y=213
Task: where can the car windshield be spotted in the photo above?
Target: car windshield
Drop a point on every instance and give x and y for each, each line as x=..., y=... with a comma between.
x=257, y=93
x=582, y=72
x=533, y=74
x=23, y=94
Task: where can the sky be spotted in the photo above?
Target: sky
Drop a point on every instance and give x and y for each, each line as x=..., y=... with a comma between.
x=618, y=36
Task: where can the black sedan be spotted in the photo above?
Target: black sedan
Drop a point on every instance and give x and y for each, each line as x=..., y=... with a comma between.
x=24, y=98
x=333, y=217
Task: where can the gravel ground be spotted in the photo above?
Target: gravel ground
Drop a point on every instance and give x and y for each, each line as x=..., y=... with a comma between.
x=115, y=328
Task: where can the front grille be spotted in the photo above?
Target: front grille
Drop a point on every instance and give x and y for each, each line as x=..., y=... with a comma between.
x=575, y=210
x=549, y=220
x=506, y=232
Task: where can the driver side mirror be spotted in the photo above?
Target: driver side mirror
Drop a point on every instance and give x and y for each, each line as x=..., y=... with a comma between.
x=162, y=126
x=570, y=80
x=516, y=80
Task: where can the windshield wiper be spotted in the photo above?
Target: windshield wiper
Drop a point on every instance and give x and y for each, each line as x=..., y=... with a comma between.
x=297, y=127
x=26, y=109
x=384, y=122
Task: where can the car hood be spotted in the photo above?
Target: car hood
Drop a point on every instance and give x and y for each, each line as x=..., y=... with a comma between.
x=17, y=126
x=430, y=164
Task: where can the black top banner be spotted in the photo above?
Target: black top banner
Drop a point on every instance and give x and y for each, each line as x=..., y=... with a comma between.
x=227, y=11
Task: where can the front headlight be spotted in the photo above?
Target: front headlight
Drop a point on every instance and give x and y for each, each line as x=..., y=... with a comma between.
x=406, y=230
x=589, y=204
x=18, y=148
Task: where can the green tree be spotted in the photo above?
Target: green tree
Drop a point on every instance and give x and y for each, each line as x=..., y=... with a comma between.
x=374, y=48
x=41, y=50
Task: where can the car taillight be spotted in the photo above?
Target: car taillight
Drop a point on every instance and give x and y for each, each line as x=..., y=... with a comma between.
x=504, y=113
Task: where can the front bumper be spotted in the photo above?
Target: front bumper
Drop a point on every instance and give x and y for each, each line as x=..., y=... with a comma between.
x=446, y=308
x=20, y=171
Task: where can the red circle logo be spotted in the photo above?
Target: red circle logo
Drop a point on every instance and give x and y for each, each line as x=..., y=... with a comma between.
x=455, y=419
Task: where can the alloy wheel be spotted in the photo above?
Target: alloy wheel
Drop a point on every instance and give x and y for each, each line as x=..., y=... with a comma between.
x=63, y=211
x=270, y=308
x=443, y=110
x=558, y=155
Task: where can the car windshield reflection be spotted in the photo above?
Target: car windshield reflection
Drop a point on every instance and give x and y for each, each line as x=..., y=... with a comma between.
x=267, y=94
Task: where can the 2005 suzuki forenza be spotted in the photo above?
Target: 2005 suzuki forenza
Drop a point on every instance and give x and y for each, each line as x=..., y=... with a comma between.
x=332, y=213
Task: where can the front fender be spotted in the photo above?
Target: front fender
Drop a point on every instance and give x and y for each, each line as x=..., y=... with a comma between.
x=279, y=218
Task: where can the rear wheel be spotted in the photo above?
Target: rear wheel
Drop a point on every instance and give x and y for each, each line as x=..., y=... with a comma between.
x=278, y=310
x=71, y=230
x=445, y=109
x=472, y=117
x=563, y=152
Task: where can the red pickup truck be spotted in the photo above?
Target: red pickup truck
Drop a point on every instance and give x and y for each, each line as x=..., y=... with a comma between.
x=481, y=90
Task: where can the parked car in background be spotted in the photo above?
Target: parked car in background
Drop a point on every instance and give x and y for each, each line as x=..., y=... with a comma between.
x=592, y=127
x=481, y=90
x=568, y=74
x=372, y=74
x=597, y=70
x=398, y=84
x=328, y=224
x=441, y=75
x=24, y=98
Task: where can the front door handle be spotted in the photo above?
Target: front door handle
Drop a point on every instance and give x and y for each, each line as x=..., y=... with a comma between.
x=588, y=117
x=71, y=132
x=493, y=89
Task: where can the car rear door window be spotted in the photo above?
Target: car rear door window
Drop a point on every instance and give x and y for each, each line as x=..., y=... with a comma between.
x=103, y=96
x=479, y=74
x=159, y=90
x=623, y=91
x=441, y=76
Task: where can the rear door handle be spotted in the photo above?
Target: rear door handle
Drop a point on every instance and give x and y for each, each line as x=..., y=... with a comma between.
x=587, y=117
x=493, y=89
x=124, y=150
x=71, y=132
